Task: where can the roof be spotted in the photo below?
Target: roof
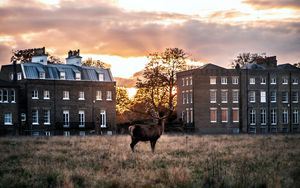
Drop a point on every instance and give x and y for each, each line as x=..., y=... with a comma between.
x=253, y=66
x=32, y=70
x=287, y=66
x=210, y=66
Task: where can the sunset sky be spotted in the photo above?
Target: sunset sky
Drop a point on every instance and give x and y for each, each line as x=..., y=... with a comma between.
x=123, y=32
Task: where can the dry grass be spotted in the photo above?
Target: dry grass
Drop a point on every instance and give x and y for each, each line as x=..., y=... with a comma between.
x=179, y=161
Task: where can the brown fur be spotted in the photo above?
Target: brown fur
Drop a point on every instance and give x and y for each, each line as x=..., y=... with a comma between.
x=146, y=133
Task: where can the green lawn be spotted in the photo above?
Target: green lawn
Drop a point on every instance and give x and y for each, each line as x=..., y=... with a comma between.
x=179, y=161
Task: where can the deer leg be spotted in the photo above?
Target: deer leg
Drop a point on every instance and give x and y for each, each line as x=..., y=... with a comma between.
x=133, y=143
x=153, y=142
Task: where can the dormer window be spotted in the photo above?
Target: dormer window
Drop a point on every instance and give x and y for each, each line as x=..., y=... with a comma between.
x=19, y=76
x=11, y=76
x=101, y=77
x=62, y=75
x=77, y=76
x=285, y=81
x=42, y=75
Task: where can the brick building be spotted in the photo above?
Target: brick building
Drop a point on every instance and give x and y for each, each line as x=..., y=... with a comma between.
x=60, y=98
x=261, y=97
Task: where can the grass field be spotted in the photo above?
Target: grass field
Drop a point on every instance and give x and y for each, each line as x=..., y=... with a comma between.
x=179, y=161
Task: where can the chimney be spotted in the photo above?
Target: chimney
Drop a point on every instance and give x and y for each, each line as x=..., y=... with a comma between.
x=74, y=58
x=39, y=56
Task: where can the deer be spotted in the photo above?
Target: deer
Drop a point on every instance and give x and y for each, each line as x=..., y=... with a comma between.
x=146, y=133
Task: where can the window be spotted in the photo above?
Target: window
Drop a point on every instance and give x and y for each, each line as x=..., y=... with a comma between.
x=191, y=96
x=13, y=96
x=252, y=117
x=285, y=80
x=183, y=82
x=213, y=115
x=263, y=116
x=224, y=96
x=295, y=97
x=1, y=95
x=273, y=96
x=99, y=95
x=66, y=118
x=191, y=81
x=102, y=118
x=263, y=97
x=235, y=80
x=81, y=118
x=81, y=95
x=62, y=75
x=213, y=96
x=42, y=75
x=11, y=76
x=81, y=133
x=213, y=80
x=273, y=117
x=235, y=115
x=224, y=80
x=192, y=115
x=187, y=80
x=273, y=80
x=46, y=94
x=263, y=80
x=66, y=133
x=252, y=81
x=19, y=76
x=7, y=118
x=35, y=117
x=224, y=112
x=47, y=133
x=35, y=94
x=235, y=96
x=251, y=96
x=285, y=97
x=46, y=117
x=295, y=117
x=183, y=97
x=108, y=95
x=77, y=76
x=285, y=119
x=66, y=95
x=101, y=77
x=5, y=95
x=23, y=117
x=294, y=81
x=187, y=115
x=187, y=96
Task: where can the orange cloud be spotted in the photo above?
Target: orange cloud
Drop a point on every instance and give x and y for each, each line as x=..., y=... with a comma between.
x=267, y=4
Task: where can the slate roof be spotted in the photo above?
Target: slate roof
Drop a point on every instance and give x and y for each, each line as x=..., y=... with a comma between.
x=52, y=71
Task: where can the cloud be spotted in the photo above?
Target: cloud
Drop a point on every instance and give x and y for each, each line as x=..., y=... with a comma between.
x=267, y=4
x=97, y=27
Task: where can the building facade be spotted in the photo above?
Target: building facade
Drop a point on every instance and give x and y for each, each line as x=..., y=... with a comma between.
x=58, y=99
x=261, y=97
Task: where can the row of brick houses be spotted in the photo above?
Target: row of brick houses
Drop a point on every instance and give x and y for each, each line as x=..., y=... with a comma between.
x=38, y=98
x=261, y=97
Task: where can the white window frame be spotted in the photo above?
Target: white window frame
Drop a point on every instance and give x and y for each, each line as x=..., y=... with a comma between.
x=252, y=81
x=35, y=94
x=235, y=80
x=11, y=76
x=273, y=96
x=66, y=133
x=213, y=95
x=273, y=81
x=294, y=81
x=263, y=116
x=81, y=95
x=191, y=96
x=235, y=96
x=66, y=95
x=183, y=97
x=81, y=114
x=98, y=95
x=263, y=96
x=187, y=81
x=252, y=96
x=47, y=117
x=187, y=115
x=223, y=80
x=295, y=96
x=224, y=91
x=192, y=115
x=47, y=133
x=8, y=118
x=238, y=115
x=13, y=96
x=62, y=75
x=252, y=116
x=101, y=77
x=46, y=94
x=263, y=81
x=295, y=116
x=5, y=96
x=187, y=96
x=35, y=117
x=109, y=95
x=285, y=81
x=191, y=80
x=42, y=75
x=23, y=117
x=19, y=76
x=273, y=117
x=285, y=97
x=102, y=118
x=183, y=82
x=66, y=118
x=77, y=76
x=213, y=110
x=285, y=116
x=212, y=80
x=226, y=115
